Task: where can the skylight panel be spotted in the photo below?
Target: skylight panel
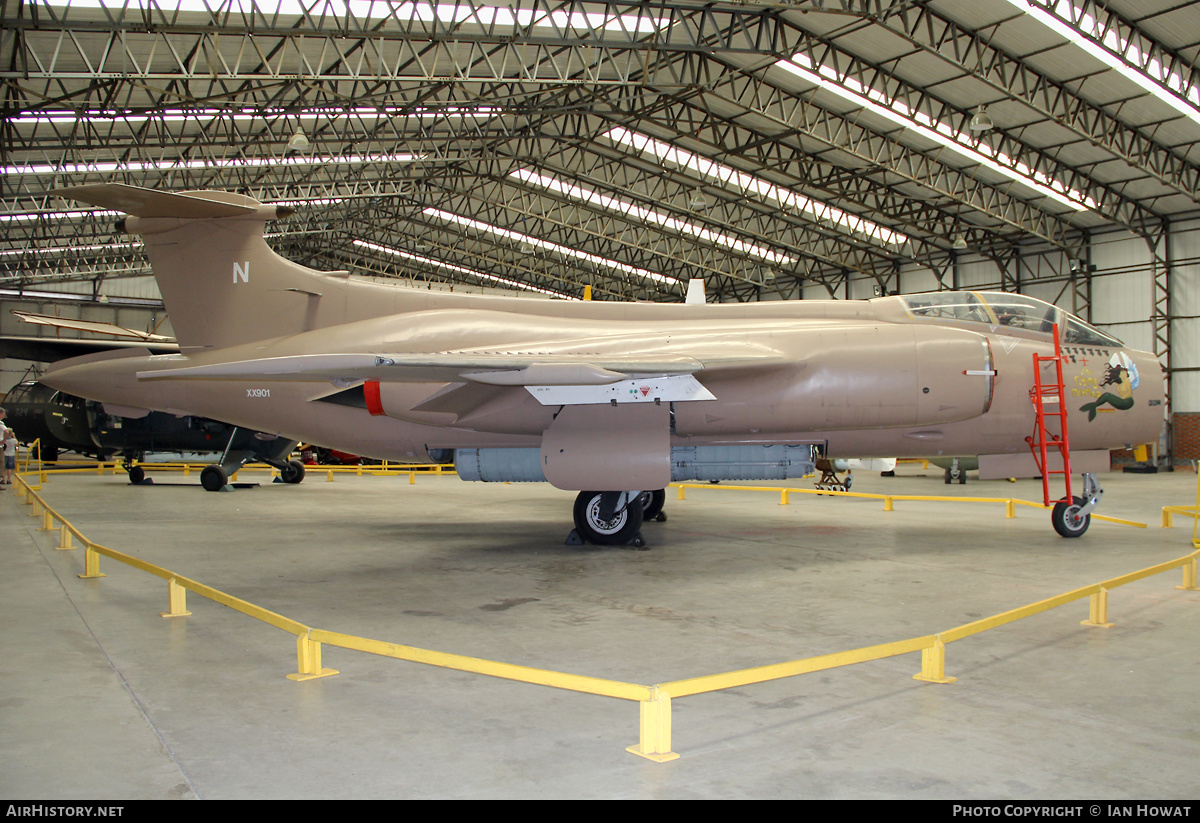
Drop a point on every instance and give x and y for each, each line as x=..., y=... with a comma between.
x=553, y=247
x=650, y=216
x=962, y=143
x=1105, y=43
x=205, y=163
x=448, y=13
x=200, y=115
x=755, y=187
x=429, y=261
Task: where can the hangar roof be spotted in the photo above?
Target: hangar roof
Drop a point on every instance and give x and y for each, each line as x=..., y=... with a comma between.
x=626, y=146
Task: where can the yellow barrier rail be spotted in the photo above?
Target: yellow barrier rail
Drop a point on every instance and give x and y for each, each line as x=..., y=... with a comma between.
x=889, y=500
x=186, y=468
x=654, y=741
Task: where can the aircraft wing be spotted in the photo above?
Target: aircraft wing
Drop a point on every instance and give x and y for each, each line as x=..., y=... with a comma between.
x=499, y=369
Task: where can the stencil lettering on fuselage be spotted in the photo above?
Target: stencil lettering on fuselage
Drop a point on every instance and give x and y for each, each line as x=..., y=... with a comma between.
x=241, y=271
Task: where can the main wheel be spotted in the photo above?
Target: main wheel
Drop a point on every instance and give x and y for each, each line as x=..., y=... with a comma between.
x=1066, y=519
x=621, y=528
x=213, y=478
x=293, y=472
x=652, y=503
x=136, y=474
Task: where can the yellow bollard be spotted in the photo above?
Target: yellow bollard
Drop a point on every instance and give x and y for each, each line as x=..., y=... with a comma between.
x=1010, y=508
x=655, y=728
x=784, y=498
x=91, y=565
x=308, y=659
x=64, y=538
x=176, y=600
x=888, y=504
x=329, y=475
x=680, y=493
x=1189, y=577
x=1098, y=611
x=933, y=664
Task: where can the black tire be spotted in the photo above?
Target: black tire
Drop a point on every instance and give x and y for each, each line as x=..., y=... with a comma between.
x=293, y=472
x=652, y=503
x=136, y=474
x=949, y=479
x=213, y=478
x=618, y=531
x=1066, y=523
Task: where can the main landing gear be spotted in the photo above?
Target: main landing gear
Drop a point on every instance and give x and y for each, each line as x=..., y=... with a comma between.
x=615, y=518
x=249, y=446
x=215, y=477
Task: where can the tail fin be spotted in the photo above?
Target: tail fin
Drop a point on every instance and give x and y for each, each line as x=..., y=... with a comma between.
x=221, y=283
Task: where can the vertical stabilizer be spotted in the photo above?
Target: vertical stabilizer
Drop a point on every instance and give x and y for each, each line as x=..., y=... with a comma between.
x=220, y=281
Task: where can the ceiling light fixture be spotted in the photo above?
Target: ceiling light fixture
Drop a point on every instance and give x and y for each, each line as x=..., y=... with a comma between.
x=298, y=142
x=981, y=121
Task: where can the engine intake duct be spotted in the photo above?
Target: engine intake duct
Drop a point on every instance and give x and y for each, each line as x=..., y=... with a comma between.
x=688, y=463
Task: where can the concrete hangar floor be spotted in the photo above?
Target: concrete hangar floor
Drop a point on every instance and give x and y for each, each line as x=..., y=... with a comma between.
x=102, y=698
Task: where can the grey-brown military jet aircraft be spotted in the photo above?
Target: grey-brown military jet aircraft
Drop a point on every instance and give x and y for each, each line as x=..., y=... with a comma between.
x=613, y=400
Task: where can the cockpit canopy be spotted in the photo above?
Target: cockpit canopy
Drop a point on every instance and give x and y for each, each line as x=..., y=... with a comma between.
x=1015, y=311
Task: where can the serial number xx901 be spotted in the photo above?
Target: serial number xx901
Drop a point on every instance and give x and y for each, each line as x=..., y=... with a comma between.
x=258, y=392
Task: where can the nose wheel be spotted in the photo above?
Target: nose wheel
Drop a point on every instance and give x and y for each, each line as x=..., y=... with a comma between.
x=1071, y=519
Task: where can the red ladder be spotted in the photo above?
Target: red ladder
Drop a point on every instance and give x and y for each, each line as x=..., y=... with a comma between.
x=1044, y=440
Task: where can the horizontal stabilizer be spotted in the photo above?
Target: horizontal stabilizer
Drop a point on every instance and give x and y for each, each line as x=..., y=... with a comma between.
x=142, y=202
x=89, y=326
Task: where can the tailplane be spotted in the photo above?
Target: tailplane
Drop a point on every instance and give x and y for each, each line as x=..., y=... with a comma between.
x=221, y=283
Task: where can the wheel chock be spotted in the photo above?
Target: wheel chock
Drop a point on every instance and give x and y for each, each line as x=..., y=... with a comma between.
x=573, y=539
x=638, y=542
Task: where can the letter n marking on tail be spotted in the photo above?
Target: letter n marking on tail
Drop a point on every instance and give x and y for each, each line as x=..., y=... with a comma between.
x=241, y=271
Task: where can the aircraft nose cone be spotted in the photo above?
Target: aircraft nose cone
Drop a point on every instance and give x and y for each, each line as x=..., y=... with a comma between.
x=77, y=380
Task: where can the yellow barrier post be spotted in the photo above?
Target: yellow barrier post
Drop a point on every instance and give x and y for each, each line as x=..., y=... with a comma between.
x=1189, y=577
x=784, y=498
x=176, y=600
x=933, y=664
x=680, y=496
x=888, y=505
x=91, y=564
x=1010, y=508
x=308, y=659
x=1098, y=610
x=412, y=478
x=47, y=521
x=64, y=538
x=655, y=728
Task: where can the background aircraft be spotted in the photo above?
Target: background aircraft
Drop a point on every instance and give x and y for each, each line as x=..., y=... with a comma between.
x=607, y=399
x=64, y=422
